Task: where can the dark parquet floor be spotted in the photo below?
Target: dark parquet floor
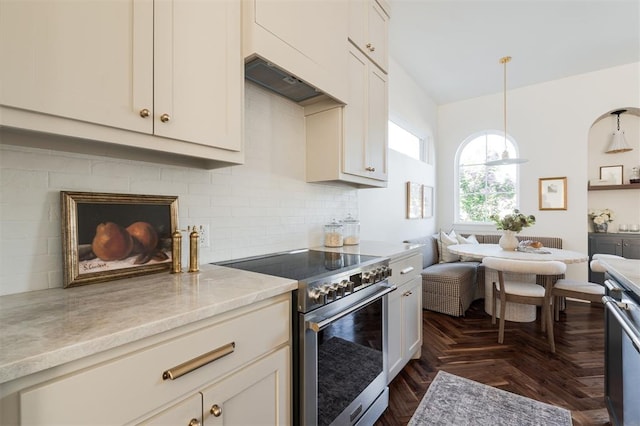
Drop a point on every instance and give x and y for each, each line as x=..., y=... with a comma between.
x=572, y=378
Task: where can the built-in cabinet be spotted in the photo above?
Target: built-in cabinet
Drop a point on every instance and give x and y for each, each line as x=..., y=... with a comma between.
x=348, y=143
x=160, y=75
x=234, y=368
x=625, y=245
x=405, y=312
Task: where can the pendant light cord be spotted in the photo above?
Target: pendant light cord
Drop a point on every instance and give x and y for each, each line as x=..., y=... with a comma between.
x=504, y=61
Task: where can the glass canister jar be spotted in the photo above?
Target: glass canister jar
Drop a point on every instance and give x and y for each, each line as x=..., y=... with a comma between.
x=333, y=234
x=351, y=231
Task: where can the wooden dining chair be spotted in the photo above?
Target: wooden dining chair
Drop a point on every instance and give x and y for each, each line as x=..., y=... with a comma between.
x=524, y=292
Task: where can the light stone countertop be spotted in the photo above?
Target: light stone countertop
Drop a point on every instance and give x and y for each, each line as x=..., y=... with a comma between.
x=47, y=328
x=373, y=248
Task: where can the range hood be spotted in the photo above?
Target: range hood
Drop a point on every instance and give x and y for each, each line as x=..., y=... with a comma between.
x=271, y=77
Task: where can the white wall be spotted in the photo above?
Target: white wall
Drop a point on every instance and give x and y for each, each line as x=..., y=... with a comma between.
x=260, y=207
x=383, y=211
x=551, y=123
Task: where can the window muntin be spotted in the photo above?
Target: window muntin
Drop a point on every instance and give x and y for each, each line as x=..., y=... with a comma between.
x=485, y=190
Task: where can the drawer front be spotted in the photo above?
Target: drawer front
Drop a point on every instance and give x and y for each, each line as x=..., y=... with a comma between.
x=404, y=269
x=124, y=389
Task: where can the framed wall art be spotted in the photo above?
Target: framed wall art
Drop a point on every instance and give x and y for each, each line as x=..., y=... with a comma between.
x=427, y=201
x=611, y=174
x=414, y=200
x=552, y=193
x=112, y=236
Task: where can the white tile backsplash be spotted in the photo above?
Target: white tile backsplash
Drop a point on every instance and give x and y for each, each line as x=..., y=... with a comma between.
x=260, y=207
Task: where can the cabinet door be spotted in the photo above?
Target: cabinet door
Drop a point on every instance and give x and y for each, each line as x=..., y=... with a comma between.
x=365, y=145
x=355, y=115
x=378, y=31
x=259, y=394
x=631, y=248
x=606, y=244
x=369, y=29
x=412, y=313
x=198, y=72
x=377, y=124
x=90, y=61
x=184, y=413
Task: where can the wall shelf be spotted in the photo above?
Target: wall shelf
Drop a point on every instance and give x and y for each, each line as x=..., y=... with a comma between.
x=612, y=187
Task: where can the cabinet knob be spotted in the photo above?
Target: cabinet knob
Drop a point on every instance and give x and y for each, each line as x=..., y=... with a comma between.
x=371, y=47
x=165, y=117
x=144, y=113
x=370, y=169
x=195, y=422
x=216, y=410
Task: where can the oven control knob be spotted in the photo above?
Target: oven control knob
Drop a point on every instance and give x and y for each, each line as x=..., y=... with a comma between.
x=346, y=286
x=335, y=291
x=367, y=278
x=319, y=295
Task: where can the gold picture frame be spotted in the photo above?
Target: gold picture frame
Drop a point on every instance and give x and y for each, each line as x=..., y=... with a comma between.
x=552, y=193
x=113, y=236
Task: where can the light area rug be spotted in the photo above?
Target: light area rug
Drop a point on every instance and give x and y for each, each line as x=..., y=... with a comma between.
x=455, y=401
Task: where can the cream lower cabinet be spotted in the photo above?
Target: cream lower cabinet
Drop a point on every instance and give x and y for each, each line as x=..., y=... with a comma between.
x=405, y=313
x=248, y=397
x=160, y=380
x=164, y=75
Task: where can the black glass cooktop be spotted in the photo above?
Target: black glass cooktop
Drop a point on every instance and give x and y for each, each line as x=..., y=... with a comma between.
x=300, y=264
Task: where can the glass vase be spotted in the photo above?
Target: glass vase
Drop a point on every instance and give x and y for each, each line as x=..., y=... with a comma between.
x=600, y=227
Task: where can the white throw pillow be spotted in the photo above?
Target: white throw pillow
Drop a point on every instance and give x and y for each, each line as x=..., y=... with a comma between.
x=471, y=239
x=444, y=241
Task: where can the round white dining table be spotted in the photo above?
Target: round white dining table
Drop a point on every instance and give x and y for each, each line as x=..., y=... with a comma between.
x=513, y=311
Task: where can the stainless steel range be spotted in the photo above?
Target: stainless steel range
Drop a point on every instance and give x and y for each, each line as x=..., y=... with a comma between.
x=339, y=333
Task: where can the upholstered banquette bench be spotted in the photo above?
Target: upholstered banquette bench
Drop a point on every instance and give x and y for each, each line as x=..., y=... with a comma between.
x=451, y=283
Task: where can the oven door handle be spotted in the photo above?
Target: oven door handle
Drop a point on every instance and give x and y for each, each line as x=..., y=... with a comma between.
x=316, y=326
x=614, y=307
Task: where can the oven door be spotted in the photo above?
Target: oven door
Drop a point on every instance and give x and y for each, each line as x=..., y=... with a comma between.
x=622, y=360
x=343, y=351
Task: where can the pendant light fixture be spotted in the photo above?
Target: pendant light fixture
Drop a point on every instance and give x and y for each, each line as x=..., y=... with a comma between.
x=618, y=142
x=505, y=160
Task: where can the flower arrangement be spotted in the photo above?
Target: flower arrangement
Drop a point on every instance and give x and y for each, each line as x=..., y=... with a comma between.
x=601, y=216
x=513, y=222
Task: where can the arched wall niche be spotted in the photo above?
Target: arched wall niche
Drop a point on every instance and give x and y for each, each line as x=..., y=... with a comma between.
x=625, y=203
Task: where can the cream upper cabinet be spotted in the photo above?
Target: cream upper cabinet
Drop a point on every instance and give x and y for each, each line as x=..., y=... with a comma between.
x=369, y=29
x=304, y=38
x=349, y=143
x=163, y=71
x=90, y=61
x=366, y=115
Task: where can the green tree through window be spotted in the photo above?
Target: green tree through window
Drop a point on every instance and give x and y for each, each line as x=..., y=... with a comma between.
x=484, y=190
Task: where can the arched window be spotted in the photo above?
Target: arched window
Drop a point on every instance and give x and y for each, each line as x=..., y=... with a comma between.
x=485, y=190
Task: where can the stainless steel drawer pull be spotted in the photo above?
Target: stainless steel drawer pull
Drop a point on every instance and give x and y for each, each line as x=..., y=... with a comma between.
x=406, y=270
x=197, y=362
